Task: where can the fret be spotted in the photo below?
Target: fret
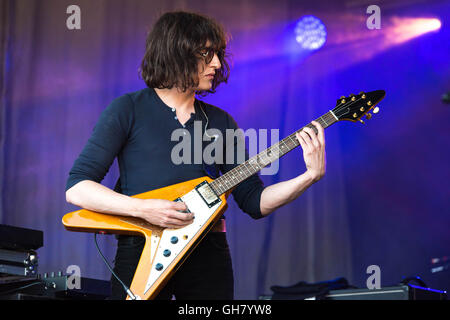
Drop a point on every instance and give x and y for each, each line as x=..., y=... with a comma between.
x=293, y=139
x=253, y=165
x=245, y=166
x=215, y=187
x=322, y=122
x=219, y=189
x=232, y=173
x=226, y=182
x=253, y=168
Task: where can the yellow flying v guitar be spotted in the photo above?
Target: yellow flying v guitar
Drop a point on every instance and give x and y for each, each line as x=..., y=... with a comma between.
x=165, y=249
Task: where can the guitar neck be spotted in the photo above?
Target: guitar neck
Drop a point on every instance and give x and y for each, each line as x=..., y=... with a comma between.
x=253, y=165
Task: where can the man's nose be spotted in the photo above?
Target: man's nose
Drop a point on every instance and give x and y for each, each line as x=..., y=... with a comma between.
x=215, y=62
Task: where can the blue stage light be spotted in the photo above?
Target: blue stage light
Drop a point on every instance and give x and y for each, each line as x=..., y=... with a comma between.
x=310, y=33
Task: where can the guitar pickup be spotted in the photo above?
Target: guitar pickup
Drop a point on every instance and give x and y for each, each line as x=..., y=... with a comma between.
x=207, y=194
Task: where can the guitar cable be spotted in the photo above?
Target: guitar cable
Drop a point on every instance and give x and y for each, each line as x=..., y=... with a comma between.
x=125, y=287
x=22, y=287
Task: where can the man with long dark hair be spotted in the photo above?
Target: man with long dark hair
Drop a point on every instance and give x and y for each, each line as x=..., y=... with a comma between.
x=185, y=56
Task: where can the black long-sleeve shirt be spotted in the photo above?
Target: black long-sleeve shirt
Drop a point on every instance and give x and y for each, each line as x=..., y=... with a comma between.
x=137, y=128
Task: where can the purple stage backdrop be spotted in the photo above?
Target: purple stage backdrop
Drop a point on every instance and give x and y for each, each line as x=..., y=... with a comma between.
x=384, y=200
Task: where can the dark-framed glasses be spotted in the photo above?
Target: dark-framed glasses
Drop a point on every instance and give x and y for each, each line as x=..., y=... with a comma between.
x=208, y=54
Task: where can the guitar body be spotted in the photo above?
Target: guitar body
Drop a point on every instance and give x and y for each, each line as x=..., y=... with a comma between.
x=165, y=249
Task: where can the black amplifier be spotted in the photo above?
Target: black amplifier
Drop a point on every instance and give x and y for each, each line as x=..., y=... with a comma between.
x=59, y=287
x=17, y=250
x=402, y=292
x=16, y=238
x=63, y=286
x=21, y=263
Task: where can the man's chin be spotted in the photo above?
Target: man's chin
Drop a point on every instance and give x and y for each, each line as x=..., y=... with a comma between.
x=204, y=88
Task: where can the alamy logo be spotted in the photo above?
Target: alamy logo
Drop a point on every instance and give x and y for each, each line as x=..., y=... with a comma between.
x=74, y=280
x=73, y=22
x=221, y=150
x=374, y=20
x=374, y=281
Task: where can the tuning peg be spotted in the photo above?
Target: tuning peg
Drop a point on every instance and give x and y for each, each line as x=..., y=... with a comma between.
x=376, y=110
x=368, y=116
x=361, y=121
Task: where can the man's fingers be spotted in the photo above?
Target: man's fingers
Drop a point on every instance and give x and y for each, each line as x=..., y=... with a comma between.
x=179, y=206
x=182, y=216
x=308, y=142
x=320, y=134
x=176, y=219
x=173, y=224
x=315, y=142
x=302, y=141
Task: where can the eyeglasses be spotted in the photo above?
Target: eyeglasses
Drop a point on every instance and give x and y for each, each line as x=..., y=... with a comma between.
x=208, y=54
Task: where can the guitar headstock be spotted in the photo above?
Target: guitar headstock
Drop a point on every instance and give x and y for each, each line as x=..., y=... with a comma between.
x=355, y=106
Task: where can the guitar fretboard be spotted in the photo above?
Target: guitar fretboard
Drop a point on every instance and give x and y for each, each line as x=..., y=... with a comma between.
x=253, y=165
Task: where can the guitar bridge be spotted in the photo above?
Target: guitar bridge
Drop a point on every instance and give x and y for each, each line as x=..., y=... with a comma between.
x=207, y=194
